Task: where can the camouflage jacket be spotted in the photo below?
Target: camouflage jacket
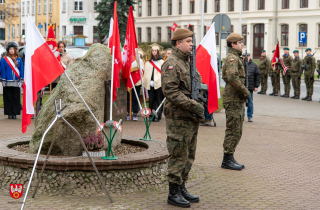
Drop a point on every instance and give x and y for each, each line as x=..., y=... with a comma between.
x=296, y=67
x=234, y=75
x=264, y=65
x=176, y=86
x=311, y=65
x=287, y=60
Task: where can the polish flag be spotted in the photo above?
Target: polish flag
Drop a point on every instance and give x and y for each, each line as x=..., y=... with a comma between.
x=206, y=62
x=110, y=32
x=276, y=56
x=115, y=41
x=174, y=27
x=41, y=68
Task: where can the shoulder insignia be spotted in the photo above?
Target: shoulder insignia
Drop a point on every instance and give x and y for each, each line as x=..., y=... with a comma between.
x=170, y=67
x=231, y=59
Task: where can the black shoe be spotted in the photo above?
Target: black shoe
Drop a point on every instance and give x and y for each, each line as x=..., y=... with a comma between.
x=9, y=116
x=309, y=98
x=295, y=97
x=259, y=92
x=263, y=93
x=155, y=120
x=175, y=197
x=228, y=163
x=235, y=160
x=14, y=117
x=187, y=195
x=286, y=96
x=292, y=96
x=305, y=98
x=271, y=94
x=283, y=95
x=276, y=94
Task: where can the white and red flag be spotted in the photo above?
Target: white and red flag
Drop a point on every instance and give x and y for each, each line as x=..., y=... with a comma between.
x=206, y=59
x=276, y=56
x=41, y=68
x=115, y=41
x=110, y=32
x=130, y=48
x=174, y=27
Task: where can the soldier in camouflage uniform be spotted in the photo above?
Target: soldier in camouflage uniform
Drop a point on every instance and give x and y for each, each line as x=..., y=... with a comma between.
x=286, y=76
x=264, y=66
x=275, y=80
x=310, y=65
x=181, y=125
x=296, y=74
x=234, y=96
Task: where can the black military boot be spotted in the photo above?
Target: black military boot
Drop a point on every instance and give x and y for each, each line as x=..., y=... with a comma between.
x=228, y=162
x=237, y=162
x=259, y=92
x=276, y=94
x=283, y=95
x=271, y=94
x=175, y=197
x=292, y=96
x=296, y=97
x=305, y=98
x=187, y=195
x=263, y=93
x=286, y=96
x=309, y=98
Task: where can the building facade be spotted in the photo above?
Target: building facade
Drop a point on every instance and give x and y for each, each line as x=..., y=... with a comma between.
x=9, y=20
x=77, y=17
x=155, y=17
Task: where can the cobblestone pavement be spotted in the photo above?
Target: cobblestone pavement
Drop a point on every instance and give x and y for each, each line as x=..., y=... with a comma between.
x=280, y=154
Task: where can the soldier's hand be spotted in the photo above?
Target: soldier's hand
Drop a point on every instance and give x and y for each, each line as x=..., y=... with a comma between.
x=199, y=110
x=247, y=95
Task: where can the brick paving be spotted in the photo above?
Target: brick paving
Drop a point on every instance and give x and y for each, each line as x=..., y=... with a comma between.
x=280, y=152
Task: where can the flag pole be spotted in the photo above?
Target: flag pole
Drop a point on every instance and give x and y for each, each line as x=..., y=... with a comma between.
x=130, y=107
x=135, y=91
x=202, y=20
x=144, y=99
x=111, y=92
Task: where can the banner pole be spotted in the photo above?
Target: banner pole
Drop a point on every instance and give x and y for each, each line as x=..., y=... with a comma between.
x=111, y=92
x=135, y=91
x=130, y=108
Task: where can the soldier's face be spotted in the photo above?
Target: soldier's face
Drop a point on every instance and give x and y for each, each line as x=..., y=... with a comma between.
x=308, y=52
x=238, y=46
x=186, y=45
x=286, y=51
x=263, y=54
x=296, y=54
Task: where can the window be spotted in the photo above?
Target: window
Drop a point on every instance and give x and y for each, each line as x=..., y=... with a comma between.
x=9, y=9
x=159, y=7
x=44, y=29
x=170, y=33
x=39, y=7
x=204, y=30
x=17, y=9
x=139, y=8
x=64, y=30
x=149, y=34
x=13, y=10
x=13, y=31
x=191, y=6
x=169, y=7
x=216, y=5
x=244, y=34
x=33, y=7
x=159, y=34
x=205, y=6
x=245, y=6
x=28, y=7
x=8, y=30
x=95, y=34
x=96, y=2
x=50, y=6
x=2, y=1
x=77, y=5
x=231, y=6
x=303, y=3
x=45, y=6
x=284, y=35
x=261, y=4
x=2, y=16
x=64, y=6
x=139, y=35
x=231, y=29
x=319, y=36
x=180, y=7
x=149, y=8
x=217, y=38
x=285, y=4
x=18, y=32
x=22, y=8
x=23, y=29
x=303, y=27
x=78, y=30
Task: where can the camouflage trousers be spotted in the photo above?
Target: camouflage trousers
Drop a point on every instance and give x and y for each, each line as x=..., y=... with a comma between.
x=286, y=81
x=309, y=85
x=296, y=82
x=181, y=144
x=264, y=82
x=234, y=122
x=275, y=82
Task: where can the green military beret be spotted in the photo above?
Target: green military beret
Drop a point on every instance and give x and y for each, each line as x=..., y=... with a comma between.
x=286, y=48
x=296, y=51
x=263, y=51
x=273, y=51
x=308, y=49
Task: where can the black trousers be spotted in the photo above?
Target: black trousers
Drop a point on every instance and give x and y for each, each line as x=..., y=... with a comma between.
x=11, y=100
x=135, y=103
x=155, y=99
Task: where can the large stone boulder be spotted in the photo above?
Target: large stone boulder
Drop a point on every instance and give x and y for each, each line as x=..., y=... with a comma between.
x=89, y=74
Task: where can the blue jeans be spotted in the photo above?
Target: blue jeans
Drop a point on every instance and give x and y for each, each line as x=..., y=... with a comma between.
x=250, y=107
x=207, y=116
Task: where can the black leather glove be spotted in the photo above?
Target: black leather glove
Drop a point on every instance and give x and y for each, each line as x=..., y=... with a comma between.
x=311, y=77
x=299, y=78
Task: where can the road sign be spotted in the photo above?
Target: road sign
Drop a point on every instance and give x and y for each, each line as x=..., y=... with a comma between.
x=302, y=37
x=71, y=33
x=222, y=23
x=40, y=26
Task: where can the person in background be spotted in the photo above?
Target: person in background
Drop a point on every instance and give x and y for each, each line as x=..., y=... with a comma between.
x=310, y=63
x=265, y=68
x=254, y=78
x=286, y=75
x=168, y=52
x=152, y=80
x=296, y=74
x=275, y=79
x=12, y=74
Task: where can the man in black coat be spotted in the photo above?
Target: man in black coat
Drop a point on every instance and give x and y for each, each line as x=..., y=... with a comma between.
x=254, y=82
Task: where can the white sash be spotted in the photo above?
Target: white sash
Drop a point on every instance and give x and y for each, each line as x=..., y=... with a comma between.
x=13, y=65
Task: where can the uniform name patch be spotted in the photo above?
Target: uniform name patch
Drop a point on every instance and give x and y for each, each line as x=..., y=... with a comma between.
x=170, y=67
x=232, y=59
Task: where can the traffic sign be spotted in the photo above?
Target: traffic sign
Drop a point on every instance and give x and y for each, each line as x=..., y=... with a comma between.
x=40, y=26
x=222, y=23
x=71, y=33
x=302, y=37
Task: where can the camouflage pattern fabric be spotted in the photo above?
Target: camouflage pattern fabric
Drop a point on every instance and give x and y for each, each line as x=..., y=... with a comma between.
x=234, y=122
x=309, y=74
x=264, y=66
x=234, y=95
x=275, y=79
x=296, y=75
x=181, y=143
x=287, y=60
